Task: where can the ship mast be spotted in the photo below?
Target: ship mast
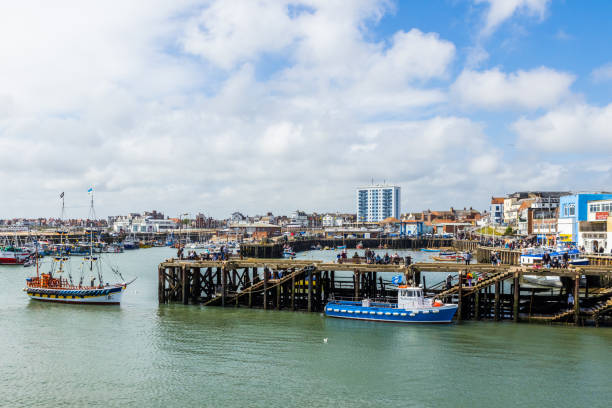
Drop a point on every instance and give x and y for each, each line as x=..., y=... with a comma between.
x=61, y=232
x=92, y=217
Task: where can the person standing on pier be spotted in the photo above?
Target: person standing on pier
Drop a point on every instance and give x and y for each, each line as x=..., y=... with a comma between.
x=449, y=281
x=468, y=257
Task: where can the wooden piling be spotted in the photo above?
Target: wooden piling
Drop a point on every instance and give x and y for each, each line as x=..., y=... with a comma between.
x=496, y=305
x=265, y=291
x=161, y=283
x=577, y=299
x=293, y=292
x=185, y=284
x=278, y=294
x=517, y=298
x=223, y=285
x=460, y=297
x=477, y=305
x=310, y=289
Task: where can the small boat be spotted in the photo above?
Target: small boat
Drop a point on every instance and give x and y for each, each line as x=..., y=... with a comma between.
x=288, y=252
x=359, y=245
x=430, y=249
x=13, y=256
x=113, y=249
x=534, y=259
x=411, y=307
x=341, y=247
x=448, y=258
x=130, y=244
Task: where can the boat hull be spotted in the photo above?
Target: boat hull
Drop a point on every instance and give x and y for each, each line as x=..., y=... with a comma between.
x=103, y=296
x=354, y=311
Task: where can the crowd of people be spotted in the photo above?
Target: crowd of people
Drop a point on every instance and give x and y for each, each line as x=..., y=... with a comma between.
x=222, y=255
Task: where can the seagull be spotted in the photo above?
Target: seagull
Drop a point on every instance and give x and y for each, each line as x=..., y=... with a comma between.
x=325, y=340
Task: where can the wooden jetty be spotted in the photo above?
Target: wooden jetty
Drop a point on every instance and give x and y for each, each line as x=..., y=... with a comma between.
x=496, y=294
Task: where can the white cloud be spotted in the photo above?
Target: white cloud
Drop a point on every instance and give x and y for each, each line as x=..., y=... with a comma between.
x=159, y=107
x=494, y=89
x=602, y=73
x=573, y=129
x=501, y=10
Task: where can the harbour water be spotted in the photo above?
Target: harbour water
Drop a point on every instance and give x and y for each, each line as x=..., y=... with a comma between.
x=143, y=354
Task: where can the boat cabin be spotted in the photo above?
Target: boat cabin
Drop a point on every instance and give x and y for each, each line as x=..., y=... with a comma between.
x=410, y=297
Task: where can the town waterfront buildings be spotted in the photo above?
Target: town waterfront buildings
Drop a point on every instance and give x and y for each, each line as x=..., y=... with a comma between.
x=377, y=202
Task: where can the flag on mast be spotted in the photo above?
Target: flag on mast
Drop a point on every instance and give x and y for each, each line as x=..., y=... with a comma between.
x=90, y=190
x=62, y=195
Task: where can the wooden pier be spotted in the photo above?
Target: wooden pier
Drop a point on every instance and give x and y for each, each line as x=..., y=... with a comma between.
x=497, y=294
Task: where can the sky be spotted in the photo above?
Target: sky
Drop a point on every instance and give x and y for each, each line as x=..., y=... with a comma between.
x=209, y=106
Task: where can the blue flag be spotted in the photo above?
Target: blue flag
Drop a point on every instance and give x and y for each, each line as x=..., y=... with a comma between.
x=90, y=190
x=397, y=279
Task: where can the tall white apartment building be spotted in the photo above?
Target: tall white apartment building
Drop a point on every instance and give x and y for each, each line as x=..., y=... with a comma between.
x=377, y=202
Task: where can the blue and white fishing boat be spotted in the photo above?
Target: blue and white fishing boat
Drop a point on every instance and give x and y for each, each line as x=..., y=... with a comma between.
x=411, y=307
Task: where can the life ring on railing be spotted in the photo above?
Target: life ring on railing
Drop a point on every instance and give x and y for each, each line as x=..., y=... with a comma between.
x=437, y=304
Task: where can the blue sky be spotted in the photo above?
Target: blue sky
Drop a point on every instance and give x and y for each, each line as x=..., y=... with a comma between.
x=215, y=106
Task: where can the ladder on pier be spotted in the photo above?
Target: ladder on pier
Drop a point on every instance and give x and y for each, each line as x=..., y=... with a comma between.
x=601, y=308
x=468, y=290
x=272, y=283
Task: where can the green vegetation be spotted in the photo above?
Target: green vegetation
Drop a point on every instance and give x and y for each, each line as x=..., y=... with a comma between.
x=489, y=231
x=509, y=231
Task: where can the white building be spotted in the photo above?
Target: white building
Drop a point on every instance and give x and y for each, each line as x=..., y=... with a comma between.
x=134, y=224
x=298, y=219
x=377, y=202
x=596, y=232
x=332, y=220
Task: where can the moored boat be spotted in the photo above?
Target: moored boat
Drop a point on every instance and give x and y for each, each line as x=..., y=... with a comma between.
x=53, y=286
x=13, y=256
x=411, y=307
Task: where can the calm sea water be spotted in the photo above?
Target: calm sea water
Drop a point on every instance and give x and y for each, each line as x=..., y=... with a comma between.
x=145, y=355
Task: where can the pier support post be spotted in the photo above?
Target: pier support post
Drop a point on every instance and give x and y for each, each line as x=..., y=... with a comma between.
x=223, y=272
x=196, y=288
x=310, y=289
x=278, y=294
x=185, y=284
x=161, y=285
x=265, y=291
x=496, y=306
x=577, y=299
x=460, y=297
x=517, y=298
x=357, y=282
x=293, y=292
x=477, y=305
x=251, y=287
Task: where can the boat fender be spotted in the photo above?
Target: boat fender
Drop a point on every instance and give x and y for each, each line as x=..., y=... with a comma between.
x=438, y=304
